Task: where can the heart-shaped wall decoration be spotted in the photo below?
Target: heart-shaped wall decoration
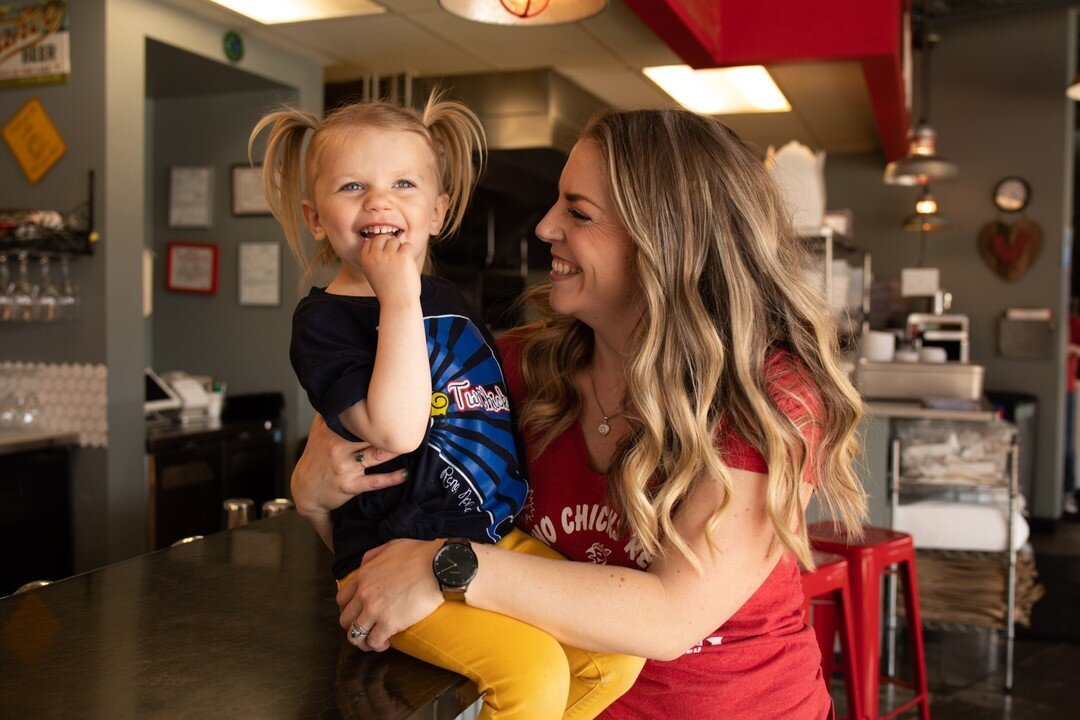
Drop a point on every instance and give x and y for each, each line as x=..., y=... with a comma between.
x=1010, y=250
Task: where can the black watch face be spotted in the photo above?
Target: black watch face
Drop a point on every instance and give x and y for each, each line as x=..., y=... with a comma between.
x=455, y=565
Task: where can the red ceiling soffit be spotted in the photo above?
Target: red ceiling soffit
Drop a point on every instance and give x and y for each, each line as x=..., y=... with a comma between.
x=725, y=33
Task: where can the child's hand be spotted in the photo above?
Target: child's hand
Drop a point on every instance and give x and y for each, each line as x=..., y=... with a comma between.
x=390, y=268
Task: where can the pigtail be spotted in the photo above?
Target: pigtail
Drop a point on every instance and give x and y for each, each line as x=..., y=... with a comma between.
x=457, y=134
x=282, y=181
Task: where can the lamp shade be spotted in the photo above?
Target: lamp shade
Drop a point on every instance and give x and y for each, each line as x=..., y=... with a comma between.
x=922, y=164
x=918, y=222
x=1073, y=91
x=524, y=13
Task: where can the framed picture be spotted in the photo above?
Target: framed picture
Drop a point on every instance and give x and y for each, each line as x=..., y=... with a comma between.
x=192, y=268
x=260, y=273
x=248, y=197
x=191, y=194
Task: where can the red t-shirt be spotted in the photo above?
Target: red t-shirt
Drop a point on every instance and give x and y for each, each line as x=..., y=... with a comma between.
x=764, y=662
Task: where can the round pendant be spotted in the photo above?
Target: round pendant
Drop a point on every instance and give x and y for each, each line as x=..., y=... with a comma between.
x=603, y=428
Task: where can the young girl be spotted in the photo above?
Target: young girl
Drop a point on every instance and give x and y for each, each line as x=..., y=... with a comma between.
x=398, y=358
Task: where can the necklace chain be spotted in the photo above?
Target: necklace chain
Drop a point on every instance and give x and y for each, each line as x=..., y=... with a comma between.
x=603, y=428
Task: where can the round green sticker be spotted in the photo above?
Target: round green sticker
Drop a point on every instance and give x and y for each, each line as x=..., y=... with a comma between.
x=234, y=46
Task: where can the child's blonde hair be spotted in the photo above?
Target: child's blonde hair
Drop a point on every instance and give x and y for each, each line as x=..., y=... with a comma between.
x=452, y=131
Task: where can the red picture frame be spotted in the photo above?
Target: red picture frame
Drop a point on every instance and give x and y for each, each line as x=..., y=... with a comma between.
x=192, y=268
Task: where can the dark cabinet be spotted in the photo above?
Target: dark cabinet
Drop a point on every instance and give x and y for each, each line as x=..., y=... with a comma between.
x=192, y=471
x=35, y=517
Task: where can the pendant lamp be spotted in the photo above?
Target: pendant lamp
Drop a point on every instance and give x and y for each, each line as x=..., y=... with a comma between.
x=922, y=164
x=926, y=217
x=524, y=12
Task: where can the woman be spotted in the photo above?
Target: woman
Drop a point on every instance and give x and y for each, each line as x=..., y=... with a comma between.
x=681, y=401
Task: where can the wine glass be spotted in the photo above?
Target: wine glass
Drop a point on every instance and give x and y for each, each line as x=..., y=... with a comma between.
x=69, y=292
x=5, y=288
x=24, y=294
x=48, y=294
x=9, y=404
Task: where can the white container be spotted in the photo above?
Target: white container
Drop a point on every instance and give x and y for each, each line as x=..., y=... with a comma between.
x=877, y=346
x=933, y=355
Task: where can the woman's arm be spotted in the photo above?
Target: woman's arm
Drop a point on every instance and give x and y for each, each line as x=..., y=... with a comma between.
x=329, y=473
x=657, y=614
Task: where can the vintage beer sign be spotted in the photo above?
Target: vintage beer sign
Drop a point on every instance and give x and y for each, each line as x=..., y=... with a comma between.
x=34, y=43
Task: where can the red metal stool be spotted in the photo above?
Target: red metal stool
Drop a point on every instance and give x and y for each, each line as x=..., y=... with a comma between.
x=828, y=592
x=869, y=559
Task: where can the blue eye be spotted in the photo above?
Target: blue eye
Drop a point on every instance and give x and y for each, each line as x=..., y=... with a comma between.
x=349, y=187
x=404, y=184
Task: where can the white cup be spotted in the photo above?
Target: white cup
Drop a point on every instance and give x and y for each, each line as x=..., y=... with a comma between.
x=877, y=346
x=214, y=402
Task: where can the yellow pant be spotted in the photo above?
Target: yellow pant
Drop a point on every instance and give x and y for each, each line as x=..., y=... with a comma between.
x=521, y=671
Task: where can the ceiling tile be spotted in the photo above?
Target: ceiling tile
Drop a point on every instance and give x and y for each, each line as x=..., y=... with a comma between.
x=628, y=37
x=832, y=100
x=620, y=87
x=764, y=129
x=387, y=44
x=513, y=48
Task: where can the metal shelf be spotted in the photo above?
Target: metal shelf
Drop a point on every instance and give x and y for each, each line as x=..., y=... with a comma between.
x=898, y=485
x=72, y=241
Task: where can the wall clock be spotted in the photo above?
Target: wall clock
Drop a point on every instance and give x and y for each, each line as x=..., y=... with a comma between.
x=1012, y=194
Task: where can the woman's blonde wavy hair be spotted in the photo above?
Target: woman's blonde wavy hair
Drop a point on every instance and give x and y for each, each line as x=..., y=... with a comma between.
x=451, y=130
x=720, y=273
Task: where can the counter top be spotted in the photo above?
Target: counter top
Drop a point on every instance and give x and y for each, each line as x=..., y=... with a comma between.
x=915, y=411
x=240, y=624
x=18, y=442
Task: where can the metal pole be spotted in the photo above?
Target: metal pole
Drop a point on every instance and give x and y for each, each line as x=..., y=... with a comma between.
x=890, y=579
x=1010, y=619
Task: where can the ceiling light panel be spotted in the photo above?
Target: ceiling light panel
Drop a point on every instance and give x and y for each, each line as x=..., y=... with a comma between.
x=720, y=91
x=274, y=12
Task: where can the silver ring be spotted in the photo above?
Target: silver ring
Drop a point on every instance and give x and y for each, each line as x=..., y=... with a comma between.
x=357, y=631
x=358, y=456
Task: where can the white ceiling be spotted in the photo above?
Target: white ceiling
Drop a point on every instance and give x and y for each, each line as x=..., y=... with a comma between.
x=831, y=109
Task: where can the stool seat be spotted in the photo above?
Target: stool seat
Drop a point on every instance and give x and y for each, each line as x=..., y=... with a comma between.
x=871, y=557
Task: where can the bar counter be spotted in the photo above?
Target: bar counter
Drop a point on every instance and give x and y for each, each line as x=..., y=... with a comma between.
x=241, y=624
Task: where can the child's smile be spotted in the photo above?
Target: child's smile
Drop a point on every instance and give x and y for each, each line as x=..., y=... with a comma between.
x=373, y=183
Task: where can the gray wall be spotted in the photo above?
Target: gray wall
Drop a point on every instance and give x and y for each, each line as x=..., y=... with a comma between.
x=78, y=110
x=999, y=107
x=102, y=114
x=214, y=335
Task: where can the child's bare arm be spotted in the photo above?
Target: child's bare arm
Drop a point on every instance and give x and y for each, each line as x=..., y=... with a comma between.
x=395, y=414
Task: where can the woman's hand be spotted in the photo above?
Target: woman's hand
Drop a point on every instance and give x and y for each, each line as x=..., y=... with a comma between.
x=394, y=588
x=331, y=471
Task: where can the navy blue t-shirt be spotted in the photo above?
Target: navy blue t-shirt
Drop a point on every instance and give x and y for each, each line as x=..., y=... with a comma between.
x=467, y=478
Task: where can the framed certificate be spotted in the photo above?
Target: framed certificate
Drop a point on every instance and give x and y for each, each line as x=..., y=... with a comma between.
x=191, y=194
x=260, y=273
x=248, y=197
x=192, y=268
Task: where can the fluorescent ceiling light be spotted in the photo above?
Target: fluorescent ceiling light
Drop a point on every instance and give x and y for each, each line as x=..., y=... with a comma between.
x=272, y=12
x=720, y=91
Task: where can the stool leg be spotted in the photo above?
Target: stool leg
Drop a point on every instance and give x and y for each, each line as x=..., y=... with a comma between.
x=825, y=630
x=915, y=636
x=866, y=624
x=847, y=651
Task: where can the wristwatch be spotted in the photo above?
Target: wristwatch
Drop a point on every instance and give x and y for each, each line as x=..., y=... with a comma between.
x=455, y=567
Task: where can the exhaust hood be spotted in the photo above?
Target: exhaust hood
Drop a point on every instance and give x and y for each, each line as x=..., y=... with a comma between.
x=524, y=110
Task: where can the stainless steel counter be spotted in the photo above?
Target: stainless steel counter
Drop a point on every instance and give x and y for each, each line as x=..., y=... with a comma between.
x=915, y=411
